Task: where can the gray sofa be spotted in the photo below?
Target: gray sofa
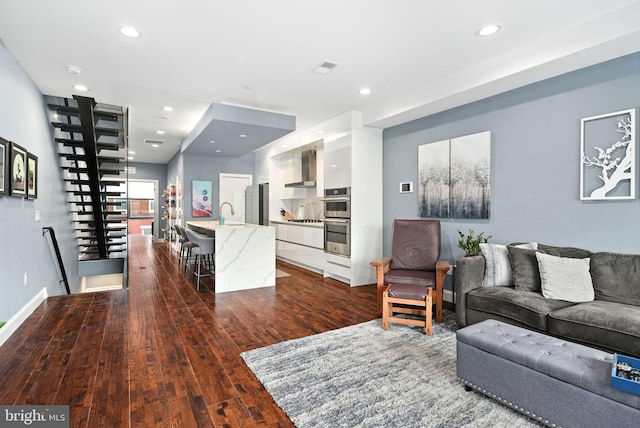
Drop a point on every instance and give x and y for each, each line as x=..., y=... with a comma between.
x=611, y=321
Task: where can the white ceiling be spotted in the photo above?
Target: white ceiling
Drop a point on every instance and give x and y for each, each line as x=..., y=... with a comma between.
x=418, y=57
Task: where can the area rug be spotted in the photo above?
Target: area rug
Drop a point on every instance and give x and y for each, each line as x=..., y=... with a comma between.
x=363, y=376
x=281, y=274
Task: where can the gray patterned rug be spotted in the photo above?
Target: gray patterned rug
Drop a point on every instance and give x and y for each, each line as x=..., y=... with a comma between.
x=363, y=376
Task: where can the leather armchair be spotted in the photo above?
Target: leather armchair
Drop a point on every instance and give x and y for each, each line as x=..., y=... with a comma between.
x=414, y=260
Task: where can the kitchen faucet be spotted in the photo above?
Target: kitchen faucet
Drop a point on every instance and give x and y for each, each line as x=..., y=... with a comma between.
x=230, y=206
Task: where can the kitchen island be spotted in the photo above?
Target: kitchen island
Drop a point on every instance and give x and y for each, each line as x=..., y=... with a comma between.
x=245, y=254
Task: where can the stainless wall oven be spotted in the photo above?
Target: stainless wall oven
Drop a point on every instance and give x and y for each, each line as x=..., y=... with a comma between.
x=337, y=236
x=337, y=203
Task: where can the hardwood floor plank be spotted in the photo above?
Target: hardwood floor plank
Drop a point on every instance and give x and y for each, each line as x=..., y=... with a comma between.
x=110, y=404
x=162, y=354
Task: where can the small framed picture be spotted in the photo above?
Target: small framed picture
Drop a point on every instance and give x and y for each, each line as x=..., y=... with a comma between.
x=32, y=176
x=5, y=146
x=18, y=170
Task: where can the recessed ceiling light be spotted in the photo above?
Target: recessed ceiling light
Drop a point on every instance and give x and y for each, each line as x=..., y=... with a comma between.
x=80, y=88
x=320, y=131
x=130, y=158
x=243, y=136
x=73, y=69
x=167, y=108
x=128, y=31
x=160, y=132
x=365, y=91
x=488, y=30
x=218, y=151
x=131, y=152
x=212, y=141
x=155, y=145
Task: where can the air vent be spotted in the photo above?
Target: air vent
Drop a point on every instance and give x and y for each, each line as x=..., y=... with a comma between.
x=151, y=141
x=325, y=67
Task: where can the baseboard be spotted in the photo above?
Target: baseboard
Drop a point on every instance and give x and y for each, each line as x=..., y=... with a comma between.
x=448, y=296
x=12, y=325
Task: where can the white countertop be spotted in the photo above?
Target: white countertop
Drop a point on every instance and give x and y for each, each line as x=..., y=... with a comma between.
x=213, y=225
x=297, y=223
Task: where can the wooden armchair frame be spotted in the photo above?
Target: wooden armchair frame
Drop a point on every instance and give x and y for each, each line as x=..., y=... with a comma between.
x=383, y=265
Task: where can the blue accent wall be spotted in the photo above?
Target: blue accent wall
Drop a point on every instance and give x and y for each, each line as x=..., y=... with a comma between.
x=202, y=167
x=24, y=120
x=535, y=162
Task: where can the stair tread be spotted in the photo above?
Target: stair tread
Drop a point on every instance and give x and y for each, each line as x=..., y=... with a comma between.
x=73, y=111
x=76, y=128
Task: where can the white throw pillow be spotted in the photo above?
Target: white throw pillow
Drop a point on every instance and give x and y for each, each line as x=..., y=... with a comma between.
x=497, y=266
x=565, y=278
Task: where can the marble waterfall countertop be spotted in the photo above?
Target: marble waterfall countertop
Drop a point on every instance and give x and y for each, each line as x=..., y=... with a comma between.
x=245, y=254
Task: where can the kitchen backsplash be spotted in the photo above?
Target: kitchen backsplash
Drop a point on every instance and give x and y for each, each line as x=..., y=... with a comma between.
x=309, y=208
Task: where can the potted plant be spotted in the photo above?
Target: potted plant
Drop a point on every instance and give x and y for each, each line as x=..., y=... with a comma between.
x=471, y=243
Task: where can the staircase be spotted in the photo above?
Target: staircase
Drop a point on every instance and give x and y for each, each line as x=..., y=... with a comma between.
x=92, y=145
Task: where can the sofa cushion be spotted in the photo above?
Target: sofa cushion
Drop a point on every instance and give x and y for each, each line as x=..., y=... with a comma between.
x=616, y=277
x=600, y=323
x=524, y=267
x=564, y=278
x=497, y=265
x=415, y=277
x=526, y=307
x=574, y=253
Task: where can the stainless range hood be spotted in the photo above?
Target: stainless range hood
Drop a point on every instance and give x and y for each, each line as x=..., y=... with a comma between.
x=308, y=171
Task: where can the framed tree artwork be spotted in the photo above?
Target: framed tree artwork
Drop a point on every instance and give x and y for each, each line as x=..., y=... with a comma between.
x=5, y=146
x=454, y=177
x=18, y=170
x=607, y=156
x=32, y=176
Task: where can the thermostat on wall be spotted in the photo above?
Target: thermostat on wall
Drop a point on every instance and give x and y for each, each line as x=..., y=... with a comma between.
x=406, y=187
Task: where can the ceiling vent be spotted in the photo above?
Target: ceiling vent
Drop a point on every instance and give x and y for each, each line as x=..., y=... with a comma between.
x=151, y=141
x=325, y=67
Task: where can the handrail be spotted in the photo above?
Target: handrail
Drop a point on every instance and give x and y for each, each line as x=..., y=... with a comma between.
x=58, y=255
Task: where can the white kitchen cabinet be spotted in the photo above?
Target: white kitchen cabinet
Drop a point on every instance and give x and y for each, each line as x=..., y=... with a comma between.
x=337, y=267
x=300, y=255
x=337, y=162
x=301, y=245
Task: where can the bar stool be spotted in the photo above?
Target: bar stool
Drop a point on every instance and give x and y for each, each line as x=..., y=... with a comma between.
x=185, y=247
x=205, y=249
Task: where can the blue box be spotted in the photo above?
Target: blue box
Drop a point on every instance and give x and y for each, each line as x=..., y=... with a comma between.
x=622, y=383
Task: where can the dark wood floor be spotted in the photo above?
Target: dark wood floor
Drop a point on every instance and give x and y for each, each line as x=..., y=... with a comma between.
x=162, y=354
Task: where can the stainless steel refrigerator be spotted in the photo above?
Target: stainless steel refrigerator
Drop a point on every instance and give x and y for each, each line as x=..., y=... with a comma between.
x=257, y=204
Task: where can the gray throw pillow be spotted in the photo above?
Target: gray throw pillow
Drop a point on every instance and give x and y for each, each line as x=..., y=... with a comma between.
x=524, y=267
x=497, y=266
x=564, y=278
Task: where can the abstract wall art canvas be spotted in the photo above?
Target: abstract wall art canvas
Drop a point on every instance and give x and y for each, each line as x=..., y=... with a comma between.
x=201, y=205
x=454, y=177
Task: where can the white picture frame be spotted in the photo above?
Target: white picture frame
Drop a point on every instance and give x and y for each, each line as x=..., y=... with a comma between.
x=607, y=156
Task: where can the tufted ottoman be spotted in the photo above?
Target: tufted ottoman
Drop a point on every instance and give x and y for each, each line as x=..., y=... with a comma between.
x=558, y=383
